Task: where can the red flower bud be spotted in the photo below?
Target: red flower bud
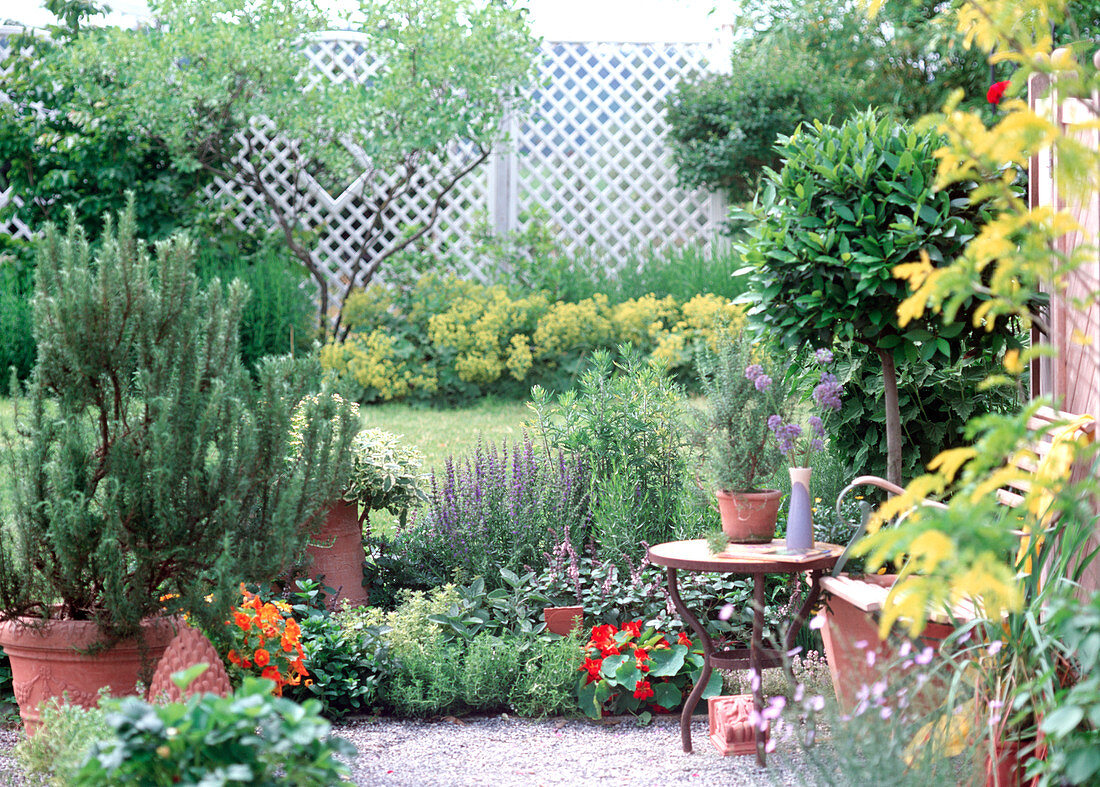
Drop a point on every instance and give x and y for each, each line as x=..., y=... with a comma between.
x=996, y=92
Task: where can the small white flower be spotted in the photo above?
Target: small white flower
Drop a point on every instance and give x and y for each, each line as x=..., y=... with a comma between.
x=925, y=656
x=994, y=647
x=726, y=612
x=870, y=658
x=817, y=622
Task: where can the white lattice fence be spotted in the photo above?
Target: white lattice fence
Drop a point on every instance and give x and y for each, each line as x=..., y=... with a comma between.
x=591, y=157
x=14, y=227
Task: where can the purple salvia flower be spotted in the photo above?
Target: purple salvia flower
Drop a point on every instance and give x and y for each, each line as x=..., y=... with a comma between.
x=753, y=371
x=817, y=425
x=823, y=356
x=763, y=382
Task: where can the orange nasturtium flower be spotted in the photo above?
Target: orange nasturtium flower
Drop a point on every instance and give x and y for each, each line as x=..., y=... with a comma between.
x=255, y=623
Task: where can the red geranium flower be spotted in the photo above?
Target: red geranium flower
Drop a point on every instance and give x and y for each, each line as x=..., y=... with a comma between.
x=996, y=92
x=642, y=690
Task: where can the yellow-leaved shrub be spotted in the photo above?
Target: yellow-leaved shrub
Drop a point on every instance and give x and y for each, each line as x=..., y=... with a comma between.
x=445, y=339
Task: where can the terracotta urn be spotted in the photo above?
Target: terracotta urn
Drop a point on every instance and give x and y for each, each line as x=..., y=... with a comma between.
x=337, y=554
x=749, y=517
x=47, y=662
x=562, y=620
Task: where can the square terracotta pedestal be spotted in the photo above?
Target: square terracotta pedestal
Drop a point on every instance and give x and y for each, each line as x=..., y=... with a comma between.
x=731, y=730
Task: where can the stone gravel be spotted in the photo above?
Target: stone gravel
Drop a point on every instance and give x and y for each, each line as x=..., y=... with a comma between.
x=501, y=750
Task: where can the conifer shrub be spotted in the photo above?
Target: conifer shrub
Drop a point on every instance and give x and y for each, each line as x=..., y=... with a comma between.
x=152, y=473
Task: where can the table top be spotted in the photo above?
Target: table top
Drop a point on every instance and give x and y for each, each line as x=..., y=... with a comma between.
x=767, y=558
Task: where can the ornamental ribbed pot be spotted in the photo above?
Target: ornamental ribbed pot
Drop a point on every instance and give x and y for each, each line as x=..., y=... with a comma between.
x=749, y=517
x=47, y=661
x=337, y=553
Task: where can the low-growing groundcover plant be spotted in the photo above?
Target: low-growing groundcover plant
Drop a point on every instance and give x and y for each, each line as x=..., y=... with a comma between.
x=251, y=737
x=454, y=650
x=56, y=752
x=640, y=670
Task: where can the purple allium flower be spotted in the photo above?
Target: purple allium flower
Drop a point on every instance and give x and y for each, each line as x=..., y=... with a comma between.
x=753, y=371
x=817, y=425
x=763, y=382
x=823, y=356
x=828, y=391
x=774, y=422
x=817, y=444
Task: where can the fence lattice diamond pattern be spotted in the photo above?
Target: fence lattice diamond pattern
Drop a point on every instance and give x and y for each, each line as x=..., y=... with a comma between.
x=590, y=158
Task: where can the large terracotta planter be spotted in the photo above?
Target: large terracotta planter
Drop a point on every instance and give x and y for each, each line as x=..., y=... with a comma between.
x=850, y=633
x=749, y=517
x=337, y=553
x=46, y=662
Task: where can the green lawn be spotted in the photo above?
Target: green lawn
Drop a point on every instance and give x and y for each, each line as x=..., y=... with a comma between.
x=441, y=433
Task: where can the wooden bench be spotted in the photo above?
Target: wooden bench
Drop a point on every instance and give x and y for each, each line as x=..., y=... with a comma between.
x=870, y=594
x=853, y=604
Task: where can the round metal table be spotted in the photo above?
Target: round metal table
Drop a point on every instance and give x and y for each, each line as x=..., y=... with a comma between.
x=757, y=560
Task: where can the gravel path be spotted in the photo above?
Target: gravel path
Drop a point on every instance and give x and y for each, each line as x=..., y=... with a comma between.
x=505, y=751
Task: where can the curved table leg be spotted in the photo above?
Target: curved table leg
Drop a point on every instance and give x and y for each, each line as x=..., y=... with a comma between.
x=754, y=661
x=804, y=610
x=708, y=651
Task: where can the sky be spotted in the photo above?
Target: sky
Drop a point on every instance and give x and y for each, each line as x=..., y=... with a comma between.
x=556, y=20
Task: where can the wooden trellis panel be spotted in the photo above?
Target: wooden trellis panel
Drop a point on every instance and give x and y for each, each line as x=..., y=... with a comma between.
x=591, y=157
x=1073, y=376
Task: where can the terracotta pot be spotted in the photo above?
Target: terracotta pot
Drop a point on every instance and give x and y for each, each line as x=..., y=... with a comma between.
x=850, y=634
x=749, y=517
x=562, y=620
x=45, y=662
x=337, y=553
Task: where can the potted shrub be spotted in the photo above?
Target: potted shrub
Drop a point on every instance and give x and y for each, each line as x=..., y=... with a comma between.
x=384, y=474
x=150, y=472
x=741, y=385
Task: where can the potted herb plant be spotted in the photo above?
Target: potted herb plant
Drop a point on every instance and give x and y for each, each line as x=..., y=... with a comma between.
x=741, y=384
x=149, y=469
x=384, y=474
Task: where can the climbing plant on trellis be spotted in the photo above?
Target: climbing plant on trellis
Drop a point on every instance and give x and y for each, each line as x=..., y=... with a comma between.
x=591, y=157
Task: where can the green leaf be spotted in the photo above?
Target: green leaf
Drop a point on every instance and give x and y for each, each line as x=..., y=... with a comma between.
x=1061, y=721
x=667, y=661
x=666, y=695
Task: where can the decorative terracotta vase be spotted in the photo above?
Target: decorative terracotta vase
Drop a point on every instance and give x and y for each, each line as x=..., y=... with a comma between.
x=562, y=620
x=46, y=662
x=188, y=648
x=800, y=522
x=337, y=552
x=749, y=517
